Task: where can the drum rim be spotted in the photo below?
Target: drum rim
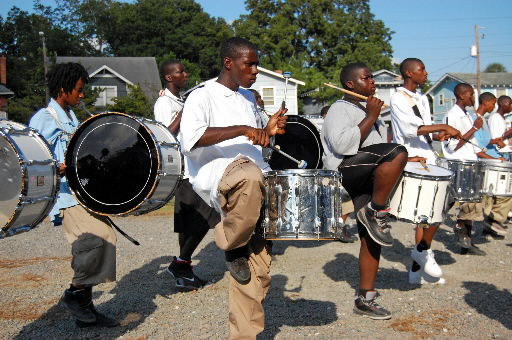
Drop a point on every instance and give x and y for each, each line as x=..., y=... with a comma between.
x=433, y=178
x=494, y=163
x=458, y=161
x=159, y=156
x=310, y=172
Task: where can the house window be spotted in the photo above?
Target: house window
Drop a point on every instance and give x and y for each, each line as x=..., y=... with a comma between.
x=441, y=99
x=267, y=94
x=501, y=92
x=106, y=95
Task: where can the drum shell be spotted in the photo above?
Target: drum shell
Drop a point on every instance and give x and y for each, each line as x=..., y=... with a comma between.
x=497, y=178
x=467, y=180
x=29, y=178
x=303, y=205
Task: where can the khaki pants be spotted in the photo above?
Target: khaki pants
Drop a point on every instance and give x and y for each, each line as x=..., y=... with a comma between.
x=497, y=207
x=93, y=246
x=471, y=211
x=246, y=313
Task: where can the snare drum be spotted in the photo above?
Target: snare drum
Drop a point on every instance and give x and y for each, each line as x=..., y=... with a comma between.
x=302, y=205
x=28, y=178
x=301, y=141
x=497, y=178
x=117, y=164
x=420, y=196
x=467, y=180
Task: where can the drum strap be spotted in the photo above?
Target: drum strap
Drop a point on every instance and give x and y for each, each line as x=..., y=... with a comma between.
x=358, y=104
x=53, y=113
x=416, y=111
x=128, y=237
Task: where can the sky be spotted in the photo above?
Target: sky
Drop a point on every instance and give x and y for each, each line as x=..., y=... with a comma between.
x=440, y=32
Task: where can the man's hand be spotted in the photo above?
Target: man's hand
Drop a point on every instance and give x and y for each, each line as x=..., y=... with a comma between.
x=416, y=159
x=478, y=123
x=451, y=132
x=373, y=106
x=498, y=141
x=277, y=123
x=257, y=136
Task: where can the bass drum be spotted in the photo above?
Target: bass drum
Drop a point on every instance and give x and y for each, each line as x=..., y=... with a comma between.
x=301, y=141
x=28, y=178
x=118, y=165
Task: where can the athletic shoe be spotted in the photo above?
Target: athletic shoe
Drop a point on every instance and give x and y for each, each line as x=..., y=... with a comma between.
x=239, y=269
x=377, y=225
x=101, y=320
x=488, y=231
x=427, y=261
x=345, y=237
x=367, y=307
x=495, y=226
x=185, y=278
x=79, y=303
x=473, y=250
x=420, y=278
x=462, y=238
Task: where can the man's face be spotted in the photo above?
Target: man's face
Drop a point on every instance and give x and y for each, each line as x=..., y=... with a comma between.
x=489, y=105
x=73, y=98
x=244, y=67
x=418, y=73
x=363, y=82
x=468, y=98
x=506, y=107
x=178, y=76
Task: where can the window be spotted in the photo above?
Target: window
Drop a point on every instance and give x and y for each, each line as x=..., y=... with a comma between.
x=441, y=99
x=267, y=94
x=501, y=92
x=105, y=96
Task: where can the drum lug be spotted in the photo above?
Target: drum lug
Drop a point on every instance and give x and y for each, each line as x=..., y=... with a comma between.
x=29, y=200
x=172, y=145
x=34, y=162
x=151, y=201
x=161, y=173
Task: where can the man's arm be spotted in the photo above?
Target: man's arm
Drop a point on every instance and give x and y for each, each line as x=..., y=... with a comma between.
x=214, y=135
x=373, y=107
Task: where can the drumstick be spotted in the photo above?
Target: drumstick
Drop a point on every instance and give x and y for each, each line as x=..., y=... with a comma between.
x=302, y=164
x=475, y=145
x=424, y=165
x=357, y=95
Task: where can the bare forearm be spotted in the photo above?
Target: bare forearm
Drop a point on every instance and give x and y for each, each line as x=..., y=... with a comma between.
x=365, y=126
x=175, y=125
x=214, y=135
x=464, y=138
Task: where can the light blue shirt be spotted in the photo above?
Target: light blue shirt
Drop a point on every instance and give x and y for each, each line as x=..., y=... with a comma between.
x=483, y=136
x=57, y=136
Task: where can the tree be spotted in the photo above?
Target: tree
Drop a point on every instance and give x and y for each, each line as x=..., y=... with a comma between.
x=135, y=103
x=494, y=68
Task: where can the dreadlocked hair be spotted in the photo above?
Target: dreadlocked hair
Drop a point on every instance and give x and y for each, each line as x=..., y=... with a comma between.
x=64, y=76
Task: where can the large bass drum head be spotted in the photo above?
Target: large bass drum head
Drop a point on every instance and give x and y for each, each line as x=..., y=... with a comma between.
x=301, y=141
x=112, y=163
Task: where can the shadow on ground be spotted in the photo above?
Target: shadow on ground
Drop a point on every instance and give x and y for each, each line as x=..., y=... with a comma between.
x=487, y=300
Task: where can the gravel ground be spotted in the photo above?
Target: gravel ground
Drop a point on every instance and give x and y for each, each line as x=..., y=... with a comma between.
x=311, y=294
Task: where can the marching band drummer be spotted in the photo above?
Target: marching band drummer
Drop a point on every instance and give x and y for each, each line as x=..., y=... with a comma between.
x=192, y=216
x=412, y=127
x=220, y=136
x=498, y=125
x=353, y=144
x=93, y=241
x=461, y=150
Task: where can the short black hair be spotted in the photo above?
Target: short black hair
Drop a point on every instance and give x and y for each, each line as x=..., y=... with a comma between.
x=503, y=99
x=461, y=88
x=348, y=72
x=64, y=76
x=324, y=110
x=232, y=47
x=486, y=97
x=165, y=65
x=407, y=63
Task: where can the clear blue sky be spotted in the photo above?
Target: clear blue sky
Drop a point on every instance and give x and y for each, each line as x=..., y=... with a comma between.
x=438, y=31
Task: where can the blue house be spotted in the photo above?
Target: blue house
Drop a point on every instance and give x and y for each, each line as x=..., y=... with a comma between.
x=441, y=93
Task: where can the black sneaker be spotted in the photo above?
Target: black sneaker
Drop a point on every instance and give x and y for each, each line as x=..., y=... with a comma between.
x=238, y=266
x=345, y=237
x=101, y=320
x=185, y=278
x=461, y=237
x=366, y=306
x=377, y=225
x=79, y=302
x=488, y=231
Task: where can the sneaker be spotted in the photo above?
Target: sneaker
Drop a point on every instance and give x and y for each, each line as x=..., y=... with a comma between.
x=488, y=231
x=377, y=225
x=182, y=272
x=427, y=261
x=345, y=237
x=239, y=268
x=462, y=238
x=473, y=250
x=101, y=320
x=420, y=278
x=79, y=302
x=367, y=307
x=495, y=226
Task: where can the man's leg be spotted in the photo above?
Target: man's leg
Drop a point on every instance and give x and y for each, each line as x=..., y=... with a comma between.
x=468, y=213
x=496, y=217
x=423, y=258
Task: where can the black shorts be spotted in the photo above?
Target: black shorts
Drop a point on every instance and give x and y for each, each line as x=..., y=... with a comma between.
x=191, y=213
x=358, y=170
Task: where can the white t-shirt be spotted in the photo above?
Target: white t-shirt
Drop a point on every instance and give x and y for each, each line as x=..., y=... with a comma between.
x=167, y=107
x=405, y=123
x=463, y=122
x=215, y=105
x=497, y=127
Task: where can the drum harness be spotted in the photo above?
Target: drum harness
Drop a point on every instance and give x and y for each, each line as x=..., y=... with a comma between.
x=65, y=136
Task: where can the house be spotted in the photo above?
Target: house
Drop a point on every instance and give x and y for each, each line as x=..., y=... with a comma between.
x=114, y=74
x=442, y=96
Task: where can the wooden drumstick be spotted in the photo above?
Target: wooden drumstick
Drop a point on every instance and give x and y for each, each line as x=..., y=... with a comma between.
x=424, y=165
x=357, y=95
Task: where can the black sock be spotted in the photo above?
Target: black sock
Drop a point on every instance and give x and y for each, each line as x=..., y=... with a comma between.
x=376, y=206
x=415, y=266
x=422, y=246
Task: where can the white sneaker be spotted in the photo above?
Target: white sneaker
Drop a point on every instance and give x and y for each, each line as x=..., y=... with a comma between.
x=427, y=261
x=420, y=278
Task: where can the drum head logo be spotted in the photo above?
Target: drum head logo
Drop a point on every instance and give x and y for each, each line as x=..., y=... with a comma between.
x=84, y=181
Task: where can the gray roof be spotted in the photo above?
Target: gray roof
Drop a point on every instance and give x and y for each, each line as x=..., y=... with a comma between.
x=4, y=91
x=138, y=70
x=486, y=79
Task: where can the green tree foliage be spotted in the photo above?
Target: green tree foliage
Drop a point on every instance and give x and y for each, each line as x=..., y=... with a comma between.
x=135, y=104
x=495, y=67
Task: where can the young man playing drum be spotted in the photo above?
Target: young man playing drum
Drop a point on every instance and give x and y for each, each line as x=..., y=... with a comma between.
x=412, y=127
x=93, y=241
x=220, y=136
x=353, y=144
x=192, y=216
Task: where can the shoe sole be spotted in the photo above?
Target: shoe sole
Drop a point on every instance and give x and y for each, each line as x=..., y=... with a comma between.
x=373, y=317
x=362, y=217
x=178, y=285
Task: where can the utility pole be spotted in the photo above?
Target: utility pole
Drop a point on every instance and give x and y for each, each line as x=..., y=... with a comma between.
x=45, y=64
x=477, y=44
